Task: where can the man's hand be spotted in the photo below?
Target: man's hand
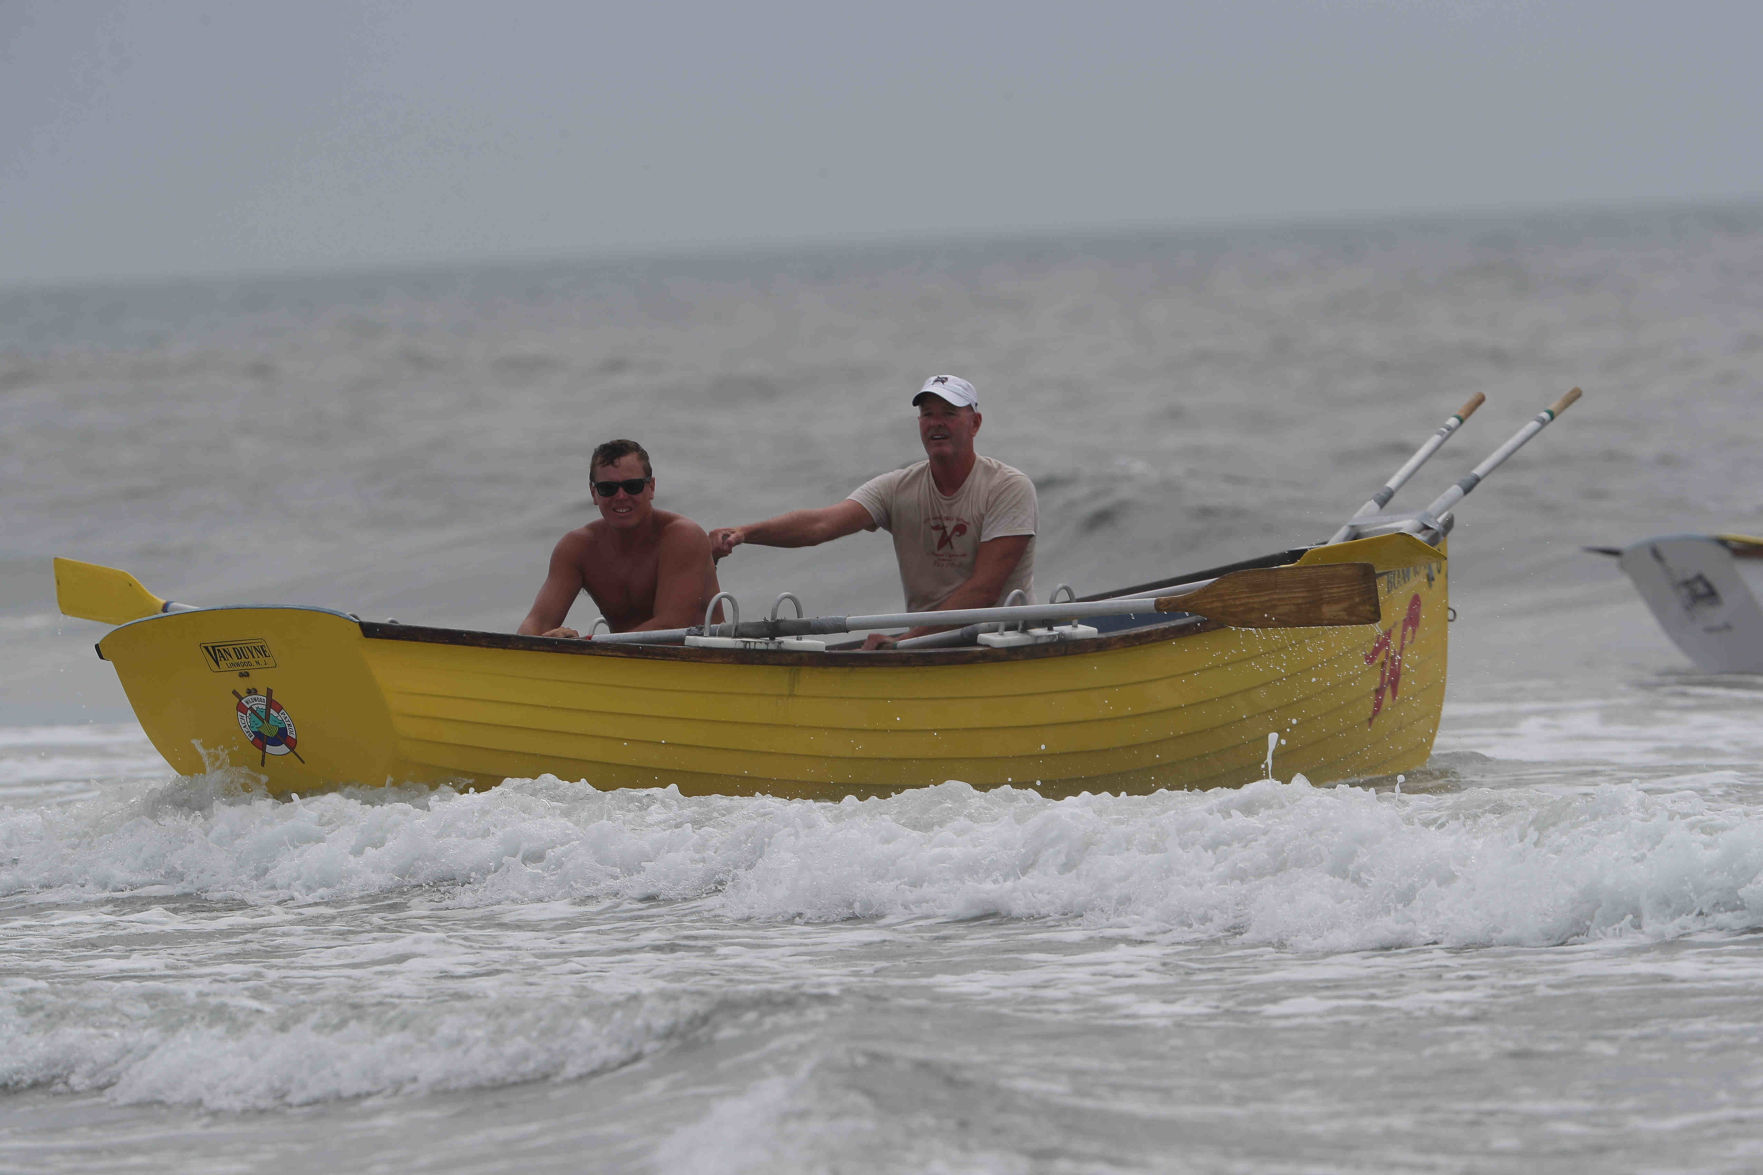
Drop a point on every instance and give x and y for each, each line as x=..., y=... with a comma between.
x=798, y=528
x=725, y=539
x=879, y=640
x=570, y=633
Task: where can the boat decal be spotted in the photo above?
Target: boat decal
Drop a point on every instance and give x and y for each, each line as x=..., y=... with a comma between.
x=1396, y=578
x=1390, y=649
x=233, y=656
x=266, y=724
x=1695, y=592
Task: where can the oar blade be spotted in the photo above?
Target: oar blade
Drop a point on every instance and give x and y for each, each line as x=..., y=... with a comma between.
x=91, y=591
x=1325, y=596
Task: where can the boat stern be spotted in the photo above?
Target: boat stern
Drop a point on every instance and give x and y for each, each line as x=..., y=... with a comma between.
x=284, y=693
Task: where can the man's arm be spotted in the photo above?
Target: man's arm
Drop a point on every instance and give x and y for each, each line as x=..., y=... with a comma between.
x=684, y=569
x=562, y=584
x=798, y=528
x=993, y=566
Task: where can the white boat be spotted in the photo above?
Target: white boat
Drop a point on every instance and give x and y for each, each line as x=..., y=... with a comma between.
x=1703, y=591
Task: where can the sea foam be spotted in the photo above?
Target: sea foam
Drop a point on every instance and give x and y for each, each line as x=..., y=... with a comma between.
x=1286, y=864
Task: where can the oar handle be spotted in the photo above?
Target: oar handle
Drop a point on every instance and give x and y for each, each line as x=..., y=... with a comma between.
x=1561, y=405
x=1382, y=498
x=1461, y=490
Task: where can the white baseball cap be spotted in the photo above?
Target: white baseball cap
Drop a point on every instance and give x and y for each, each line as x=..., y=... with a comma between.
x=951, y=388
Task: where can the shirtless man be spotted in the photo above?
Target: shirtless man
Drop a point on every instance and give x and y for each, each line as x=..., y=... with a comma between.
x=963, y=525
x=645, y=568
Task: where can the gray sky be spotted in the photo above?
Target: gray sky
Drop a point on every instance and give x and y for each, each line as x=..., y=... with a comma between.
x=177, y=137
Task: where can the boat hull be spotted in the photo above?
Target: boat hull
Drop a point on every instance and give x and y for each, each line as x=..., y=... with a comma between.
x=313, y=699
x=1704, y=590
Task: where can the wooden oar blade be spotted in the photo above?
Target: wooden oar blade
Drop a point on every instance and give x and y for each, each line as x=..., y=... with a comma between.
x=91, y=591
x=1324, y=596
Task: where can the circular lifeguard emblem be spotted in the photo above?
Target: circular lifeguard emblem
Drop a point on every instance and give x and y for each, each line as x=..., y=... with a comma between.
x=266, y=723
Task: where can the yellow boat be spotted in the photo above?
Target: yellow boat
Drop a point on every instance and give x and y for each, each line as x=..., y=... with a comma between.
x=1332, y=684
x=313, y=699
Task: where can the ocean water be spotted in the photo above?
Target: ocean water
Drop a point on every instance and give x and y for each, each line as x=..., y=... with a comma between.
x=1539, y=953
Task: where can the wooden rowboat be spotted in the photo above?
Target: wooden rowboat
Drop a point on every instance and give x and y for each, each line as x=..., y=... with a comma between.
x=313, y=699
x=310, y=698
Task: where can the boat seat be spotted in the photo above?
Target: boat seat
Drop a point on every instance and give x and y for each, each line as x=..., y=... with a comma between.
x=790, y=644
x=1016, y=638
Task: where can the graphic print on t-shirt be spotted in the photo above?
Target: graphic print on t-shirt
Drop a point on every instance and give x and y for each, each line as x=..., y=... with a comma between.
x=948, y=540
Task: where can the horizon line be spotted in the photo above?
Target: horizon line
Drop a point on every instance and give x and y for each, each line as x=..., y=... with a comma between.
x=743, y=248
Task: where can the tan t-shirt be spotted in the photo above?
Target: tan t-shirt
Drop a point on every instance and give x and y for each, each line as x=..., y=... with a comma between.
x=937, y=538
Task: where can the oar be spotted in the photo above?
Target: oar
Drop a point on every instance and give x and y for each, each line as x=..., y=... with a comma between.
x=1234, y=606
x=91, y=591
x=1436, y=518
x=1382, y=498
x=968, y=634
x=1322, y=596
x=1474, y=478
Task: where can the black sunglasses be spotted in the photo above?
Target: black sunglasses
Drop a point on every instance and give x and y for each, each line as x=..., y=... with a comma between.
x=631, y=485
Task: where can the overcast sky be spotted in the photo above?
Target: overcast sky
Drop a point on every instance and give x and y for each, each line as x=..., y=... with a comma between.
x=176, y=137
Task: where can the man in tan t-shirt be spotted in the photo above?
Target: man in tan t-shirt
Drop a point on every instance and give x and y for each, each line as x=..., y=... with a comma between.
x=963, y=525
